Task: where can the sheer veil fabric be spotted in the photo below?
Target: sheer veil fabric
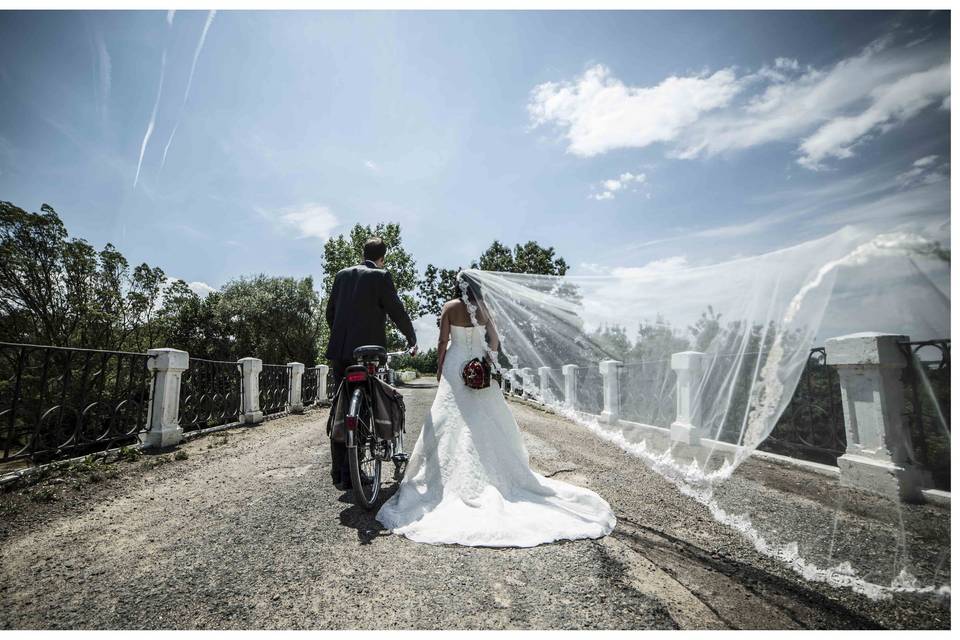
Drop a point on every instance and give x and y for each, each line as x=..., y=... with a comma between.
x=735, y=337
x=468, y=480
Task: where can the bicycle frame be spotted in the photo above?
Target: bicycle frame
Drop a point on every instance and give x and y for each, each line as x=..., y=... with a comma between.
x=362, y=437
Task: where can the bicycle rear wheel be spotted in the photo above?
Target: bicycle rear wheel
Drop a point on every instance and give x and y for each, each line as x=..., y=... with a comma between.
x=364, y=465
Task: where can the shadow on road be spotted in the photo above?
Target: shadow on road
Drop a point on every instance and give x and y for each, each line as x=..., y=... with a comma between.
x=364, y=521
x=682, y=560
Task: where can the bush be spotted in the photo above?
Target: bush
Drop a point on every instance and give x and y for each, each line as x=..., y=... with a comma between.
x=424, y=362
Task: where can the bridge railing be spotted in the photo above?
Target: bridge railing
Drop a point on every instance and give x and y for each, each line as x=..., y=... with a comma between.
x=210, y=394
x=821, y=424
x=59, y=402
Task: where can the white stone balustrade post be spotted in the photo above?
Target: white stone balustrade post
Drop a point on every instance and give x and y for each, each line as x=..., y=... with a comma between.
x=544, y=374
x=526, y=375
x=570, y=386
x=686, y=428
x=610, y=370
x=295, y=390
x=163, y=412
x=251, y=368
x=869, y=366
x=322, y=372
x=514, y=381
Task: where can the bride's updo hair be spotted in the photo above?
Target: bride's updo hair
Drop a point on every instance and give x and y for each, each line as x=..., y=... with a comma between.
x=474, y=293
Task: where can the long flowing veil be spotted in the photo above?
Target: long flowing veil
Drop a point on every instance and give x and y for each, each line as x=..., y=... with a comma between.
x=696, y=370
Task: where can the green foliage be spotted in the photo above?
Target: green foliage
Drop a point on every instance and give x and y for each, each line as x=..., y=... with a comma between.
x=60, y=291
x=526, y=258
x=155, y=461
x=612, y=342
x=439, y=285
x=706, y=328
x=44, y=493
x=423, y=362
x=436, y=287
x=129, y=454
x=342, y=251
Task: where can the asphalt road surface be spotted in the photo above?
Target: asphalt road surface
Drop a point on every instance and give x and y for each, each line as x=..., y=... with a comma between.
x=247, y=532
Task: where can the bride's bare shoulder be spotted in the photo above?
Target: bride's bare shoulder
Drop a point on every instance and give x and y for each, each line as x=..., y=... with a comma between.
x=452, y=305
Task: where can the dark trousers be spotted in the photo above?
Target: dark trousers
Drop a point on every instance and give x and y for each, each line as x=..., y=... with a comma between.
x=340, y=468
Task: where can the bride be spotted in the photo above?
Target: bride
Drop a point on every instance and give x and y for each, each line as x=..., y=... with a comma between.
x=468, y=480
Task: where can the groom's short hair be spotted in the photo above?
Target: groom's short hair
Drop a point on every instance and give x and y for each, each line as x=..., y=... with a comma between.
x=374, y=249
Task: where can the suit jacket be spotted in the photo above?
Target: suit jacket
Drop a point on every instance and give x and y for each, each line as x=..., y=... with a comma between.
x=360, y=302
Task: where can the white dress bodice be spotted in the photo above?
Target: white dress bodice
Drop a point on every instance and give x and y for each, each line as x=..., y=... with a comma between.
x=468, y=480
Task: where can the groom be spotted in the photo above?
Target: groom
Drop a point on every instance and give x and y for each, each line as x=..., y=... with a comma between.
x=362, y=298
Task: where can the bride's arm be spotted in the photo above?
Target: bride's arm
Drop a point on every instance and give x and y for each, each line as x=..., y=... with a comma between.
x=444, y=338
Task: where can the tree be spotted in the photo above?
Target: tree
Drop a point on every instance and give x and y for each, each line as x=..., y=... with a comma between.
x=439, y=284
x=342, y=252
x=60, y=291
x=526, y=258
x=423, y=362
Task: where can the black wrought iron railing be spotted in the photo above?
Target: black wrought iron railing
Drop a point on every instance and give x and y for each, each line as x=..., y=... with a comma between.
x=648, y=392
x=926, y=382
x=554, y=386
x=274, y=388
x=58, y=402
x=210, y=394
x=811, y=427
x=331, y=386
x=589, y=389
x=308, y=387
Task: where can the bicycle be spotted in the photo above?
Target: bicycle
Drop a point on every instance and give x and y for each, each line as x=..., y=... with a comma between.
x=366, y=449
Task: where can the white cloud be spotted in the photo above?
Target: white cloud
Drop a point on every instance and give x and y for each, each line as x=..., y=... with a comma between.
x=310, y=220
x=428, y=332
x=373, y=166
x=657, y=267
x=592, y=268
x=924, y=171
x=202, y=289
x=892, y=104
x=826, y=111
x=611, y=186
x=601, y=113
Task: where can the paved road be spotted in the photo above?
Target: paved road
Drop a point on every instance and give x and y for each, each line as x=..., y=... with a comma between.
x=246, y=532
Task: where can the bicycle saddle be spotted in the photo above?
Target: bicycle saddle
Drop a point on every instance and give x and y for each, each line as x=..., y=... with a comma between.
x=370, y=352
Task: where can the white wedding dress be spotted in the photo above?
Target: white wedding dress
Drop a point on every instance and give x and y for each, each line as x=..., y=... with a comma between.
x=468, y=480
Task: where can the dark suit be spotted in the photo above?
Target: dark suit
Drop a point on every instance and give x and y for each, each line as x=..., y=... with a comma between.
x=361, y=300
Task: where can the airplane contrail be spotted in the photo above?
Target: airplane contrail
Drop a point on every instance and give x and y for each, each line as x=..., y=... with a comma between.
x=104, y=70
x=186, y=94
x=153, y=118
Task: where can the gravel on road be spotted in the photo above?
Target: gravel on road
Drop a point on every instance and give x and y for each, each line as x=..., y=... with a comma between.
x=242, y=529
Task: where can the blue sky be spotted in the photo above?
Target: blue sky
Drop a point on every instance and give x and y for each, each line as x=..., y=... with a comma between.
x=229, y=144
